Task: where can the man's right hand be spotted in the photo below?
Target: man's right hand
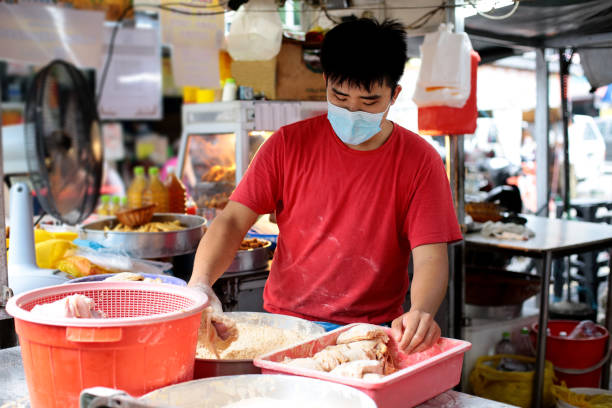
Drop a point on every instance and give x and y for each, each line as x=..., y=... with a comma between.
x=213, y=301
x=224, y=326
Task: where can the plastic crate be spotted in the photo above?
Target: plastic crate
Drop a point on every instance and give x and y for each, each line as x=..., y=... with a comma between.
x=421, y=376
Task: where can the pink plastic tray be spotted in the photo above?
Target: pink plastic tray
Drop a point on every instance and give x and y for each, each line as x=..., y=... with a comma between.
x=421, y=376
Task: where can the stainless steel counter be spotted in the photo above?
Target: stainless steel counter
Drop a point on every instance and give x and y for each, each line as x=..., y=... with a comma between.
x=14, y=392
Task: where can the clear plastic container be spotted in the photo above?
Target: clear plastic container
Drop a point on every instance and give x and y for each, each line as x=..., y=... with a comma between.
x=155, y=192
x=586, y=329
x=177, y=194
x=137, y=188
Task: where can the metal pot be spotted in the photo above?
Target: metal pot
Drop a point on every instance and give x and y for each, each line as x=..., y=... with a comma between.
x=251, y=259
x=149, y=245
x=291, y=390
x=212, y=367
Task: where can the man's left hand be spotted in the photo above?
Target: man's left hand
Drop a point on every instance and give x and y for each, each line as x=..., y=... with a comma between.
x=415, y=331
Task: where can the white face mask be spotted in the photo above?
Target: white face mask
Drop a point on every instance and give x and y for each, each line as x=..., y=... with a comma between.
x=356, y=127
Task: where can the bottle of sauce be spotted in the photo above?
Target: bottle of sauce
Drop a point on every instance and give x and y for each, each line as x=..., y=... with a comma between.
x=156, y=192
x=177, y=194
x=137, y=188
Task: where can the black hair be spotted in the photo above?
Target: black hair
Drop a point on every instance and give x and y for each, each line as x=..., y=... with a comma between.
x=364, y=52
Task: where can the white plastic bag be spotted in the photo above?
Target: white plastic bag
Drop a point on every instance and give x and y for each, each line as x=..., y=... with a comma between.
x=444, y=76
x=256, y=33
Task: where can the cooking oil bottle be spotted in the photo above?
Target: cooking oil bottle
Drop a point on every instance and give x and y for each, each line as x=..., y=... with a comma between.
x=156, y=192
x=137, y=188
x=115, y=205
x=104, y=207
x=177, y=194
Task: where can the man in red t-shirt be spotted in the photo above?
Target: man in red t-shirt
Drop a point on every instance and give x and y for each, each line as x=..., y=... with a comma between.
x=354, y=195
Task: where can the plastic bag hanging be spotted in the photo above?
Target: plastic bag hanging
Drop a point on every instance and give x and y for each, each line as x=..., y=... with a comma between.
x=256, y=32
x=444, y=76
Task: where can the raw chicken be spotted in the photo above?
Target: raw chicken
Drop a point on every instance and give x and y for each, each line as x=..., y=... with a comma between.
x=362, y=332
x=217, y=331
x=359, y=352
x=77, y=306
x=359, y=368
x=308, y=362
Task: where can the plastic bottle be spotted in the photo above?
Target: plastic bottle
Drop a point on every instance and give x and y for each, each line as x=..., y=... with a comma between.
x=525, y=346
x=229, y=90
x=136, y=189
x=505, y=346
x=123, y=203
x=177, y=194
x=584, y=330
x=104, y=207
x=115, y=205
x=156, y=192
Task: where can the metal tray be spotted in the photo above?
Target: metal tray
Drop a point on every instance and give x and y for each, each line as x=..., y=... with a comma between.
x=287, y=390
x=251, y=259
x=149, y=245
x=213, y=368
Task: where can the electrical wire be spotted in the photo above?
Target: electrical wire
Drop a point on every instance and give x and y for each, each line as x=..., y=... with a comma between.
x=492, y=17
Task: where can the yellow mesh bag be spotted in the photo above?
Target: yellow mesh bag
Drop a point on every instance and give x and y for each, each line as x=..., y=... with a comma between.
x=562, y=393
x=510, y=387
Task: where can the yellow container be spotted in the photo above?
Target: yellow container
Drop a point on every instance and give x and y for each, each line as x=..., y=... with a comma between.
x=205, y=95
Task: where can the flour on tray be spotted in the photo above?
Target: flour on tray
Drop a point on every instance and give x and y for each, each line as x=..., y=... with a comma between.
x=253, y=341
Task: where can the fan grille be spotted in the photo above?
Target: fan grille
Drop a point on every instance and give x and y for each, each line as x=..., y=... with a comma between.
x=63, y=143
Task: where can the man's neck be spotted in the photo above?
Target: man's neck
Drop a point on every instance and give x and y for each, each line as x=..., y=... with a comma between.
x=386, y=127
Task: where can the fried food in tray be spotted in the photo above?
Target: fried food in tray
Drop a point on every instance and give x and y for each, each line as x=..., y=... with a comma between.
x=252, y=243
x=219, y=173
x=155, y=226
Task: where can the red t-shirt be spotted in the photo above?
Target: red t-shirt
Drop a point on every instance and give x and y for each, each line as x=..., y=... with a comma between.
x=348, y=219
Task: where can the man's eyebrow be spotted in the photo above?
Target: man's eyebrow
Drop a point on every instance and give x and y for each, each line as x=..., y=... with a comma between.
x=367, y=97
x=338, y=92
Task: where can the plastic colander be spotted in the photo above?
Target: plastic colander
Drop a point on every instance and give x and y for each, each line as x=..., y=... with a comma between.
x=147, y=341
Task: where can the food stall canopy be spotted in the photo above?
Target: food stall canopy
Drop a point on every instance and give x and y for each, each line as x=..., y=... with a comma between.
x=543, y=24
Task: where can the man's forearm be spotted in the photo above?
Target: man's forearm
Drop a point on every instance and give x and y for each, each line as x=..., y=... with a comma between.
x=430, y=279
x=218, y=247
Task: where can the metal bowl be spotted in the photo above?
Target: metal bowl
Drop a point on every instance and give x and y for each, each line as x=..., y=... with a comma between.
x=293, y=391
x=213, y=368
x=149, y=245
x=251, y=259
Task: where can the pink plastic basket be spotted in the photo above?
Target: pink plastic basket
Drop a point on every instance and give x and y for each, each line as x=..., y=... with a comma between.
x=421, y=375
x=148, y=340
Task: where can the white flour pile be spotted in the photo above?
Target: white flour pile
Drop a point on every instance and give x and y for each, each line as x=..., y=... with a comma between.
x=263, y=402
x=253, y=341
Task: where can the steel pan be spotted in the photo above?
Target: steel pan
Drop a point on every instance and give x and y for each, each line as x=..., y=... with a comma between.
x=251, y=259
x=149, y=245
x=290, y=391
x=212, y=367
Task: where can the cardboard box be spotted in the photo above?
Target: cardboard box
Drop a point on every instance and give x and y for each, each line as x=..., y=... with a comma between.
x=285, y=77
x=260, y=75
x=294, y=79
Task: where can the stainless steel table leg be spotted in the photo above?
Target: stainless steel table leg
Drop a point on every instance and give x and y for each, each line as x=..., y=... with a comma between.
x=605, y=378
x=538, y=378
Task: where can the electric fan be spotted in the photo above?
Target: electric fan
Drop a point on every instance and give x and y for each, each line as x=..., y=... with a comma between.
x=63, y=151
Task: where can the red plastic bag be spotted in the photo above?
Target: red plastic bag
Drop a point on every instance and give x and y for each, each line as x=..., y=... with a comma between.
x=444, y=120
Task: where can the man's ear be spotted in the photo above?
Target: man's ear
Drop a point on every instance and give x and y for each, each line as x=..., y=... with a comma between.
x=396, y=93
